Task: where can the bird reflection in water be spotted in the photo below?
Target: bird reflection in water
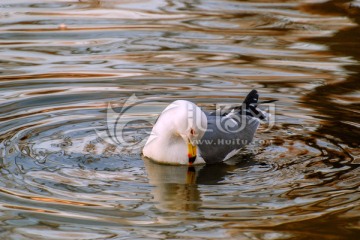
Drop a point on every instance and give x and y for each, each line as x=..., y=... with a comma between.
x=176, y=187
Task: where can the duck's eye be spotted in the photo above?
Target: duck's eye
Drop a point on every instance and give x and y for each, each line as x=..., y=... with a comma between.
x=192, y=131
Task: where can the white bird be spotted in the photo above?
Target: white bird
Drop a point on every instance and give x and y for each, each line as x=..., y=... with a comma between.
x=186, y=135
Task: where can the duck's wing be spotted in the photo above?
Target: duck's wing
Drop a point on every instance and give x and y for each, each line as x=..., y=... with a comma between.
x=226, y=136
x=228, y=132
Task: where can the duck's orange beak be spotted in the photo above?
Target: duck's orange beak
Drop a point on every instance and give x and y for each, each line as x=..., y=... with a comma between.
x=191, y=153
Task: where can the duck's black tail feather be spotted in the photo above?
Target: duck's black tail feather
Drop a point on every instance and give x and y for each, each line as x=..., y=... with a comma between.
x=248, y=107
x=250, y=103
x=251, y=99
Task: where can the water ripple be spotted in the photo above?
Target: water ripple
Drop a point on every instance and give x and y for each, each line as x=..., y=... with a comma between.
x=63, y=62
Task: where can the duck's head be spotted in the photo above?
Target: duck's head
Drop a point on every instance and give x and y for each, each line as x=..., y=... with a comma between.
x=177, y=132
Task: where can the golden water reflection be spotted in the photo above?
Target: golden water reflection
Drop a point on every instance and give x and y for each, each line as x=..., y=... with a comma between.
x=64, y=61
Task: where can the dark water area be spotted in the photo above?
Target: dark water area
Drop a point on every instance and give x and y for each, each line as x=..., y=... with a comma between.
x=63, y=62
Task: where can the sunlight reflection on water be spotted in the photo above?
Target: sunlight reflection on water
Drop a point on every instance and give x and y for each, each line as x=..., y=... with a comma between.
x=62, y=62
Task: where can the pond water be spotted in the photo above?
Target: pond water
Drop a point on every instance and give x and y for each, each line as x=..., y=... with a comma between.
x=63, y=61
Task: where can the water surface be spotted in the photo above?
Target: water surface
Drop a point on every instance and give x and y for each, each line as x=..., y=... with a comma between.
x=62, y=62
